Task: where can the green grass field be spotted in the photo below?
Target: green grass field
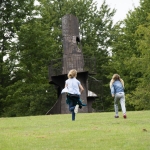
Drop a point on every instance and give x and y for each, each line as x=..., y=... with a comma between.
x=98, y=131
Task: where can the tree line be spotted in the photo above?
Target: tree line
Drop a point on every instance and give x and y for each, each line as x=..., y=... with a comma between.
x=31, y=37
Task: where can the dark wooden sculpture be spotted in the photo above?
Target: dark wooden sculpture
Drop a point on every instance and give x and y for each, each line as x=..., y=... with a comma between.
x=72, y=59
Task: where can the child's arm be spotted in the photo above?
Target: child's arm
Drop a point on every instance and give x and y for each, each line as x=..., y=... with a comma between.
x=81, y=88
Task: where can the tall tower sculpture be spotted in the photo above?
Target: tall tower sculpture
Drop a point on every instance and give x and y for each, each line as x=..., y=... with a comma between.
x=72, y=59
x=72, y=50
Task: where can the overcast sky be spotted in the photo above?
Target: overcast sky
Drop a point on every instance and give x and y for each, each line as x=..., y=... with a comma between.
x=122, y=7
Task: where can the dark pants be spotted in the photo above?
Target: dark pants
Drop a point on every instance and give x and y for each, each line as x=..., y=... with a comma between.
x=73, y=100
x=71, y=108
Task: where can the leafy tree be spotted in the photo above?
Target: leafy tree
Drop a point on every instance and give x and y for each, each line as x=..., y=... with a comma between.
x=126, y=54
x=13, y=14
x=140, y=97
x=32, y=95
x=39, y=41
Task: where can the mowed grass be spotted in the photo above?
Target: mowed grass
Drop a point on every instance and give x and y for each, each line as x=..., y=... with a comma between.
x=90, y=131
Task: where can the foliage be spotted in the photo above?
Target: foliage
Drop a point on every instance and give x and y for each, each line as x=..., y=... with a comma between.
x=13, y=14
x=31, y=37
x=141, y=96
x=128, y=58
x=38, y=39
x=29, y=99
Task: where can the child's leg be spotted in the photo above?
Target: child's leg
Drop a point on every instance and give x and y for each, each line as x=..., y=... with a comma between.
x=116, y=99
x=122, y=103
x=73, y=116
x=71, y=108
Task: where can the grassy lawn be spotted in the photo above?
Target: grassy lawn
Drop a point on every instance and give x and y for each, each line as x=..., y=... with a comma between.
x=98, y=131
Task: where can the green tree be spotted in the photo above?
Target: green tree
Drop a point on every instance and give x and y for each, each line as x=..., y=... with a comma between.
x=126, y=54
x=39, y=41
x=13, y=14
x=32, y=95
x=140, y=97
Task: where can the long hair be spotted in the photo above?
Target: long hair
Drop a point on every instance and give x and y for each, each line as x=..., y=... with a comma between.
x=114, y=78
x=72, y=73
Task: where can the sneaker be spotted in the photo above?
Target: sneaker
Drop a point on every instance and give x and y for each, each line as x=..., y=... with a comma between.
x=76, y=109
x=116, y=116
x=124, y=116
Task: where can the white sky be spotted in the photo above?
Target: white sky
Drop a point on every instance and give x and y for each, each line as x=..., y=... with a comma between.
x=122, y=7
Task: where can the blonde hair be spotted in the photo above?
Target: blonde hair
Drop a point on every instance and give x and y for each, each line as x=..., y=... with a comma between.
x=72, y=73
x=114, y=78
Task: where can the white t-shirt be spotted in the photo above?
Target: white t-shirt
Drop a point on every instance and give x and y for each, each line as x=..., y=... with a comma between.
x=73, y=86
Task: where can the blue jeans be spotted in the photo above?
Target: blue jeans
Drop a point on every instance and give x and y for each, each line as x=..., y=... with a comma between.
x=71, y=108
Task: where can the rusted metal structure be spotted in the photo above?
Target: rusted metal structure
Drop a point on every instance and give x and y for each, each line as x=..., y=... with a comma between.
x=72, y=59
